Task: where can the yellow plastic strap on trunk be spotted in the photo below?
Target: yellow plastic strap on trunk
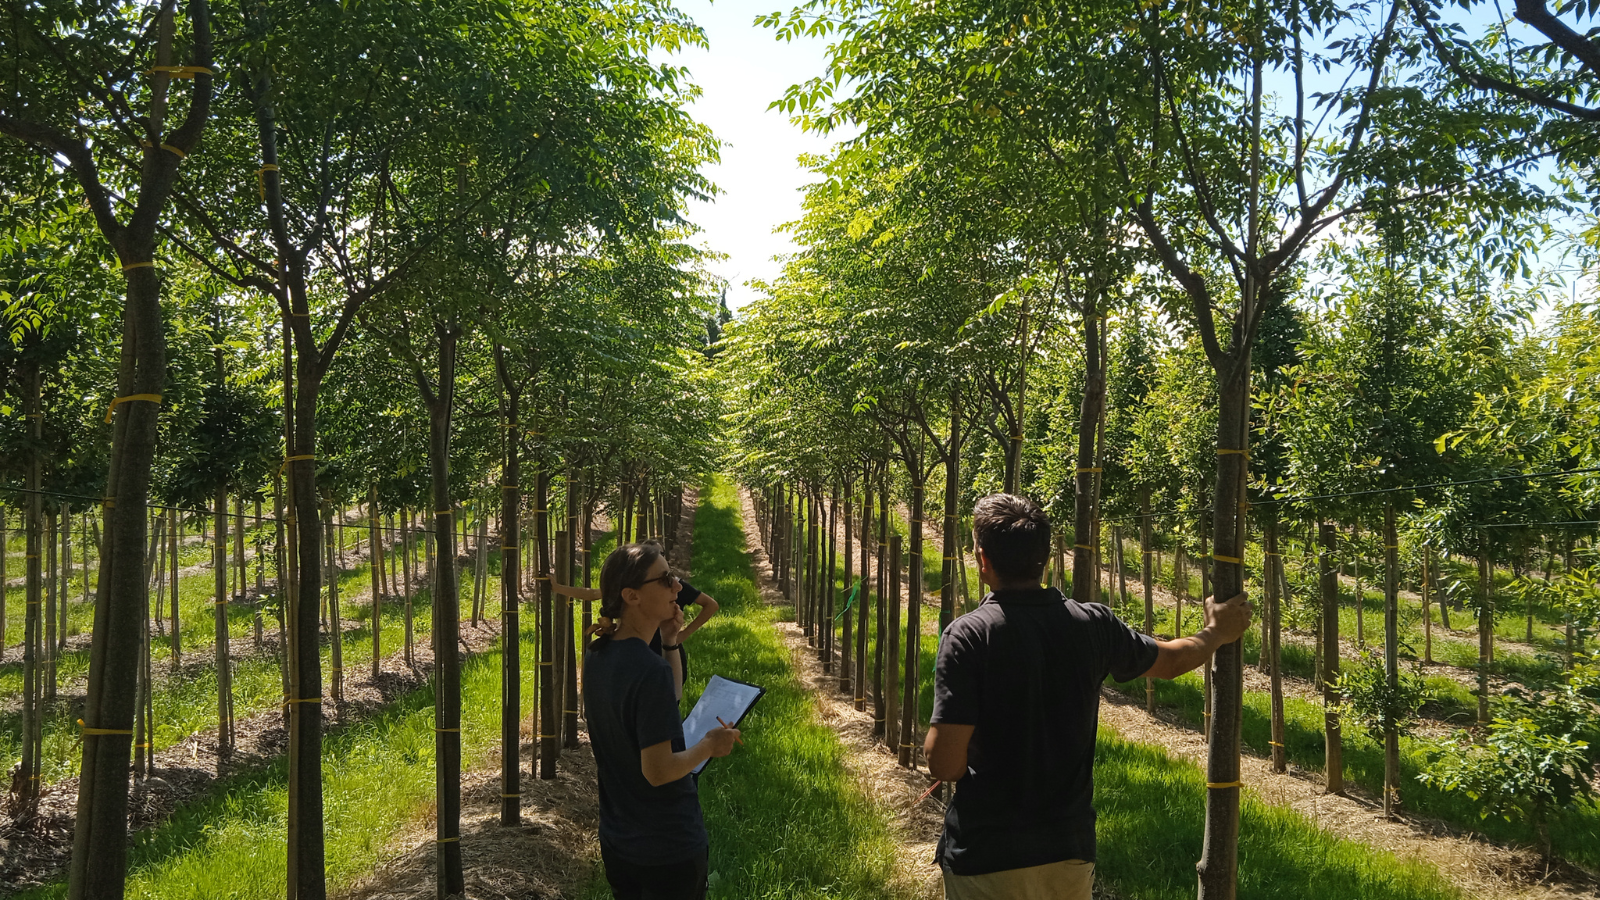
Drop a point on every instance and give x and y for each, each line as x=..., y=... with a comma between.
x=261, y=179
x=138, y=265
x=290, y=459
x=1224, y=784
x=146, y=398
x=1228, y=559
x=98, y=731
x=181, y=71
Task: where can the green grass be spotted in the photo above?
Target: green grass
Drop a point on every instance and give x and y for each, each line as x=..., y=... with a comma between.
x=1151, y=823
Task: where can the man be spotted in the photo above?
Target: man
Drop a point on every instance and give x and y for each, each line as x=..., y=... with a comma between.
x=1016, y=705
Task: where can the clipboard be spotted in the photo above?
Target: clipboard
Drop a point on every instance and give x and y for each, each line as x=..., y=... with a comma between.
x=723, y=697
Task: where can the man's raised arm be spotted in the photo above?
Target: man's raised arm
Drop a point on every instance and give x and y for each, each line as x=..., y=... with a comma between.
x=1224, y=624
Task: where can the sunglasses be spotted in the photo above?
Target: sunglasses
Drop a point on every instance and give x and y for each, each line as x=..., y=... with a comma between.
x=666, y=579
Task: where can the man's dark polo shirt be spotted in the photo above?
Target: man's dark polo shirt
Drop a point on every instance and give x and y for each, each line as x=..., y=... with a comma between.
x=1025, y=668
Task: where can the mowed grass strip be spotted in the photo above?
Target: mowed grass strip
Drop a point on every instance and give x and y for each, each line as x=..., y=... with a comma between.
x=1575, y=832
x=786, y=819
x=1152, y=822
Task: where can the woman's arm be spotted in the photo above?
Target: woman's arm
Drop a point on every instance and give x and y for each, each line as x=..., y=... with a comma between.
x=660, y=765
x=672, y=636
x=708, y=608
x=567, y=590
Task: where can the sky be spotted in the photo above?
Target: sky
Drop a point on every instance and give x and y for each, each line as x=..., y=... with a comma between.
x=745, y=69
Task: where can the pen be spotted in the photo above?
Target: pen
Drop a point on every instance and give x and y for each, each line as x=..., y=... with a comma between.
x=726, y=725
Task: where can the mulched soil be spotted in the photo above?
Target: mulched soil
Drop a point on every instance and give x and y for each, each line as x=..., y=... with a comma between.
x=34, y=849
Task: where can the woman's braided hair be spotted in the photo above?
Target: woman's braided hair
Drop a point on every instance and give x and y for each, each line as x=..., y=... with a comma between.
x=626, y=567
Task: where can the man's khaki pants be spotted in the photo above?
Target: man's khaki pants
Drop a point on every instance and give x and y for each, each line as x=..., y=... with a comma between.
x=1068, y=880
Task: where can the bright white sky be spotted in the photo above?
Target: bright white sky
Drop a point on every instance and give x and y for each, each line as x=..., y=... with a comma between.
x=746, y=69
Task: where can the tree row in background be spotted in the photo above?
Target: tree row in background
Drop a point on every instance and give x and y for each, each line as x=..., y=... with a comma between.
x=311, y=276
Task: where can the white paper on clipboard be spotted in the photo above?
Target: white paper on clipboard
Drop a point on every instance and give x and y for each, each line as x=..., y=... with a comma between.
x=723, y=698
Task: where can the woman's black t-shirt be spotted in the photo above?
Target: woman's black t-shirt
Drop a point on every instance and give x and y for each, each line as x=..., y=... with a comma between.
x=630, y=701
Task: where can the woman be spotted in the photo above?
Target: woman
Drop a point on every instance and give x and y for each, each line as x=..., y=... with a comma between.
x=652, y=838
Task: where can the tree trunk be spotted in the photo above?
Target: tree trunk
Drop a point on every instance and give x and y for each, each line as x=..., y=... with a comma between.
x=569, y=656
x=5, y=536
x=952, y=494
x=1391, y=658
x=828, y=583
x=1333, y=754
x=847, y=634
x=1083, y=509
x=510, y=597
x=219, y=567
x=52, y=646
x=33, y=606
x=881, y=701
x=891, y=667
x=1427, y=599
x=1270, y=647
x=548, y=682
x=864, y=591
x=66, y=578
x=1360, y=595
x=240, y=565
x=375, y=557
x=813, y=512
x=1148, y=577
x=100, y=839
x=1485, y=626
x=173, y=543
x=446, y=630
x=913, y=632
x=335, y=626
x=408, y=567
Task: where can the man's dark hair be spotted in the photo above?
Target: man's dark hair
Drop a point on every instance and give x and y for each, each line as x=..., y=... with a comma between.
x=1014, y=533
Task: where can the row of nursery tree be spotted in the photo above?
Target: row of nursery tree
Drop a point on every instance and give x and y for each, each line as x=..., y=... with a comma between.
x=298, y=273
x=1269, y=286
